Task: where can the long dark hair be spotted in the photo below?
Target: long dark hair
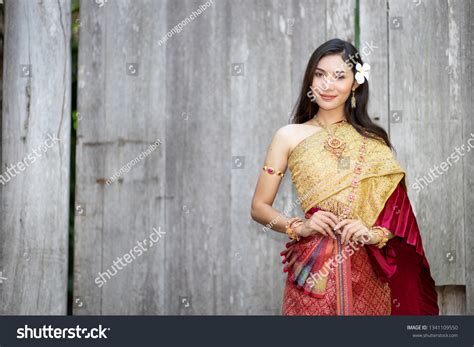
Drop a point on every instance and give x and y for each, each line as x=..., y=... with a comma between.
x=305, y=110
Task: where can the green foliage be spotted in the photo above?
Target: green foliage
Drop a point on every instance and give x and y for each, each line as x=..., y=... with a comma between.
x=357, y=25
x=76, y=25
x=74, y=119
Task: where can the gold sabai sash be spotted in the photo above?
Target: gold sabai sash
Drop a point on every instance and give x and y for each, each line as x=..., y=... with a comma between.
x=323, y=180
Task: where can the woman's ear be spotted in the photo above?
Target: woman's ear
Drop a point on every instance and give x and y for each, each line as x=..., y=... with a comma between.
x=355, y=85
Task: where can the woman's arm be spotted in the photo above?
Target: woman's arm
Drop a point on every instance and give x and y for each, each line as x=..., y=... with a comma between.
x=267, y=185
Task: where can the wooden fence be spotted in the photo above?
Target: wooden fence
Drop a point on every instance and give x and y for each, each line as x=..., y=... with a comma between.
x=210, y=95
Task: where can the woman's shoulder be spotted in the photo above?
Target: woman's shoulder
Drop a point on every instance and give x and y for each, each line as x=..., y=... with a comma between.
x=378, y=144
x=290, y=129
x=382, y=156
x=286, y=133
x=293, y=134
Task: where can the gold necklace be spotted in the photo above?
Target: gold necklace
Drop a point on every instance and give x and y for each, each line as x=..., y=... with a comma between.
x=333, y=144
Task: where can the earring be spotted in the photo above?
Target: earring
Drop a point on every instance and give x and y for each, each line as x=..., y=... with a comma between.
x=311, y=96
x=353, y=100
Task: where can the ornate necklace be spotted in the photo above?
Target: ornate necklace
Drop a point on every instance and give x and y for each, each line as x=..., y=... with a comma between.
x=333, y=144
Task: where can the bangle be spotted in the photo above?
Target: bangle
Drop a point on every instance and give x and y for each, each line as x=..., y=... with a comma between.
x=272, y=171
x=290, y=228
x=383, y=233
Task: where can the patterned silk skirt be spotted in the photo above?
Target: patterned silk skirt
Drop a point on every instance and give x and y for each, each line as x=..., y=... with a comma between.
x=370, y=296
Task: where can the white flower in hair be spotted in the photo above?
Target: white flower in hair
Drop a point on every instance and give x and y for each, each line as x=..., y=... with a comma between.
x=362, y=72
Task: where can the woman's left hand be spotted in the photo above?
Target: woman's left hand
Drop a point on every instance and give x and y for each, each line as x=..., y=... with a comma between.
x=353, y=229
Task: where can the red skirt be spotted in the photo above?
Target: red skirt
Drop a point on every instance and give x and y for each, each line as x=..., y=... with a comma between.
x=370, y=296
x=393, y=280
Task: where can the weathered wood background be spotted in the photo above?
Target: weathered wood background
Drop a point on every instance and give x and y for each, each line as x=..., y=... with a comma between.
x=213, y=95
x=34, y=202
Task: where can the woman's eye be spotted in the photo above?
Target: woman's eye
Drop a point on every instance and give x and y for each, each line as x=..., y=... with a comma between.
x=318, y=74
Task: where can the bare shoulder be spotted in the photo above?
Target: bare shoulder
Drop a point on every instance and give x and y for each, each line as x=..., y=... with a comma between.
x=290, y=132
x=287, y=136
x=293, y=134
x=285, y=132
x=282, y=139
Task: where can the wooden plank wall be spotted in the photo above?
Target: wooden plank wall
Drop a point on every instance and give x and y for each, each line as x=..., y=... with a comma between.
x=423, y=67
x=461, y=78
x=208, y=87
x=35, y=197
x=171, y=234
x=121, y=105
x=467, y=70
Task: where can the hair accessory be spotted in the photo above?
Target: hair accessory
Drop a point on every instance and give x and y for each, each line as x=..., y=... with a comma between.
x=362, y=72
x=272, y=171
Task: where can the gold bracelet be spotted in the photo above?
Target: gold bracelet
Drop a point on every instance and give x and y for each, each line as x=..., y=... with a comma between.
x=289, y=228
x=383, y=233
x=272, y=171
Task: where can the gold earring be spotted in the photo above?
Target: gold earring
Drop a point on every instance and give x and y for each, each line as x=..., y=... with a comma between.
x=353, y=100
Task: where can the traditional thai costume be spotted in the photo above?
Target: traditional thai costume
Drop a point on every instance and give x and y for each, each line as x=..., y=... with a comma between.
x=326, y=277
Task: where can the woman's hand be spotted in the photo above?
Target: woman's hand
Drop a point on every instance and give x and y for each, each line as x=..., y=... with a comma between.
x=321, y=222
x=355, y=230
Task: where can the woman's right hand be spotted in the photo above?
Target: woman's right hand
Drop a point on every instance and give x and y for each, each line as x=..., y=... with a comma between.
x=321, y=222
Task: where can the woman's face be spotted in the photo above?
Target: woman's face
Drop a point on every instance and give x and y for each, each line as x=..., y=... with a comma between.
x=332, y=82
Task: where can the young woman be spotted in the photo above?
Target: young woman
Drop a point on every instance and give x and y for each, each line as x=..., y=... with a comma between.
x=358, y=251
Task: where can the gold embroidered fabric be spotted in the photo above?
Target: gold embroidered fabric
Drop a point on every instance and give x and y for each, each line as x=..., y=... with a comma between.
x=324, y=181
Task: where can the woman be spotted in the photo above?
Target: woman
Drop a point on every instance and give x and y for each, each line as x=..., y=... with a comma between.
x=358, y=251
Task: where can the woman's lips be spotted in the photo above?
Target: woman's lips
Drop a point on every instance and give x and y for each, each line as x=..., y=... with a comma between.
x=327, y=97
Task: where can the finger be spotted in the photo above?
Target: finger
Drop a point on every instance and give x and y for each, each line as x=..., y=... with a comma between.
x=334, y=218
x=326, y=223
x=292, y=261
x=365, y=236
x=347, y=229
x=349, y=235
x=320, y=230
x=343, y=228
x=353, y=229
x=331, y=233
x=331, y=216
x=343, y=233
x=328, y=220
x=342, y=223
x=290, y=244
x=287, y=252
x=326, y=228
x=357, y=236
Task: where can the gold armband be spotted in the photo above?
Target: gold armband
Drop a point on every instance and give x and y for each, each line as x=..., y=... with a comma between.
x=272, y=171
